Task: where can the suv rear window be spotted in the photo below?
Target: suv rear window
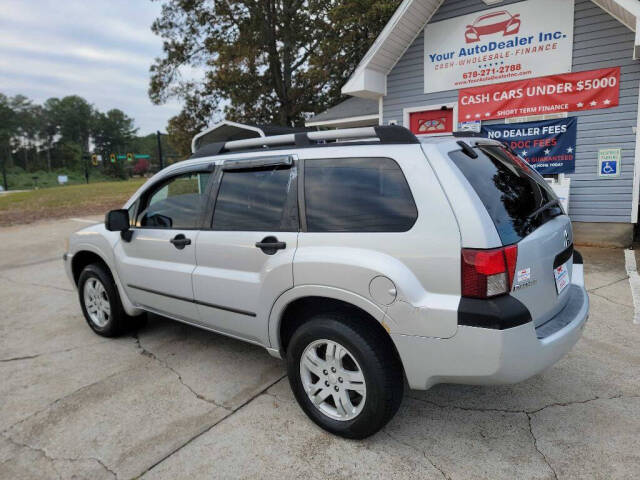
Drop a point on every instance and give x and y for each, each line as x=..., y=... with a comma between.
x=509, y=188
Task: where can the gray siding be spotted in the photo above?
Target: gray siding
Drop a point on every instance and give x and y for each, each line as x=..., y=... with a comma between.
x=600, y=41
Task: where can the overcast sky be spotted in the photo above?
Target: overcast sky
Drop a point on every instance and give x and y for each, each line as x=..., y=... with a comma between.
x=98, y=49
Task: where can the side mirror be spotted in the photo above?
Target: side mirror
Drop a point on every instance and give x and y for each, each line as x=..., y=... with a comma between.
x=118, y=221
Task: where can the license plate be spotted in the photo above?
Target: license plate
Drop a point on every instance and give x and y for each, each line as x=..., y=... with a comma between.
x=561, y=275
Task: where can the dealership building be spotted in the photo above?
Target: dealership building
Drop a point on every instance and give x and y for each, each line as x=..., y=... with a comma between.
x=558, y=80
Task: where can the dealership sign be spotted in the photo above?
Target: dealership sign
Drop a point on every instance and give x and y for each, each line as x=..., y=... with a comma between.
x=549, y=146
x=516, y=41
x=569, y=92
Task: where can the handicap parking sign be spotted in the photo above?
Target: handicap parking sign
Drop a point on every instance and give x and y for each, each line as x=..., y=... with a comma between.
x=609, y=162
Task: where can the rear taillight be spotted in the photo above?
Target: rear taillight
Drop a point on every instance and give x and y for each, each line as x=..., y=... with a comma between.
x=487, y=273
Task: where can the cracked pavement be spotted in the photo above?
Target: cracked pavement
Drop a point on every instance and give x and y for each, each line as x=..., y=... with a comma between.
x=171, y=401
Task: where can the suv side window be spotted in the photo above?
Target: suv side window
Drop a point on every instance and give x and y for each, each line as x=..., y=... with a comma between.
x=357, y=195
x=258, y=199
x=177, y=203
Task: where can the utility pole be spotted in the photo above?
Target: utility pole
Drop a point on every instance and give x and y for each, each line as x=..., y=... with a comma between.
x=85, y=157
x=4, y=173
x=158, y=136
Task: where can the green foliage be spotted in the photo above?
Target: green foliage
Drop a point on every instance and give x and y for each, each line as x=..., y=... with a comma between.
x=18, y=179
x=55, y=137
x=268, y=61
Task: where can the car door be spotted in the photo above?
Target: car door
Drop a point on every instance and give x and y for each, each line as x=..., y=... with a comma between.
x=245, y=260
x=157, y=263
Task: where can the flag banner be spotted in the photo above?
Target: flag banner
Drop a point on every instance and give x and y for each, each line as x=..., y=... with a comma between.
x=570, y=92
x=548, y=146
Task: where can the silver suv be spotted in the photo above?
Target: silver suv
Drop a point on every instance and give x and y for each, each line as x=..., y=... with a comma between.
x=363, y=257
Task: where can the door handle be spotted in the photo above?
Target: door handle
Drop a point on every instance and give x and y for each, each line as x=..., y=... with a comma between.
x=270, y=245
x=180, y=241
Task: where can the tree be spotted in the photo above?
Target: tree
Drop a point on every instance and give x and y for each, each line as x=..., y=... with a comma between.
x=49, y=126
x=75, y=118
x=264, y=61
x=112, y=132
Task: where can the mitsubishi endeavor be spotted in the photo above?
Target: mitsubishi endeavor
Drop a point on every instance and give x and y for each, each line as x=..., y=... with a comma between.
x=363, y=257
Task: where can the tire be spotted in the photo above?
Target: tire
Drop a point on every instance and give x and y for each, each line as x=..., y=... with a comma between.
x=367, y=352
x=104, y=294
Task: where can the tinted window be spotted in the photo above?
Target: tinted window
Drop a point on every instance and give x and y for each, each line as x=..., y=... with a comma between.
x=357, y=195
x=256, y=200
x=509, y=189
x=177, y=203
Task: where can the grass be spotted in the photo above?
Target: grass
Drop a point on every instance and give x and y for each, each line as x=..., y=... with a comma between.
x=57, y=202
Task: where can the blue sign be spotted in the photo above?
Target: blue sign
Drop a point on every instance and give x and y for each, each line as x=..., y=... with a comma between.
x=548, y=146
x=609, y=168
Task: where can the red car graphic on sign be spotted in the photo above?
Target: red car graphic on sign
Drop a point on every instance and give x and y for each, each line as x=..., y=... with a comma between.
x=490, y=23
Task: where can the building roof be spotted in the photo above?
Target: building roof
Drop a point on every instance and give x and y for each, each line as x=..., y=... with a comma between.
x=370, y=77
x=351, y=110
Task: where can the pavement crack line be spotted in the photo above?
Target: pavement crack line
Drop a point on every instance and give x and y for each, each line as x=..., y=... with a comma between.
x=535, y=445
x=524, y=411
x=57, y=400
x=29, y=264
x=611, y=301
x=208, y=428
x=626, y=277
x=165, y=364
x=53, y=459
x=423, y=452
x=32, y=284
x=55, y=352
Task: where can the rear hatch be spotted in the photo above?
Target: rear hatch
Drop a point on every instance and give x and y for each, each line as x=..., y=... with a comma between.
x=527, y=213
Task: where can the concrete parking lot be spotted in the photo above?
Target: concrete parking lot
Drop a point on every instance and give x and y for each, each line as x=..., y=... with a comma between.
x=176, y=402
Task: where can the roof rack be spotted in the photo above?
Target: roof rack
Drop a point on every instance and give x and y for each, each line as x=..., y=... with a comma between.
x=387, y=134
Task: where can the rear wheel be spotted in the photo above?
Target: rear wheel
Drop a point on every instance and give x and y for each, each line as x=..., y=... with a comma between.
x=101, y=303
x=345, y=376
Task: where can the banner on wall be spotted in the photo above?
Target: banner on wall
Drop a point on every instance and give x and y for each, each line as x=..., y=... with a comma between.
x=516, y=41
x=549, y=146
x=569, y=92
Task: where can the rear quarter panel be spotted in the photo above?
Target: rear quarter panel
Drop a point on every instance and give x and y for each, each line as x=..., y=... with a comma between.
x=423, y=263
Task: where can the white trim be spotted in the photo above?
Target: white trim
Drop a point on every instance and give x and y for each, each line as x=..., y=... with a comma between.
x=636, y=170
x=363, y=75
x=625, y=5
x=406, y=114
x=220, y=124
x=381, y=110
x=636, y=47
x=340, y=121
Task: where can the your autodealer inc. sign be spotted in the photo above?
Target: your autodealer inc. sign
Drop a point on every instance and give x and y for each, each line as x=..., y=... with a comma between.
x=521, y=40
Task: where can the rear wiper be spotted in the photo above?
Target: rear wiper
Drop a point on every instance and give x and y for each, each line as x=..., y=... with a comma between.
x=538, y=211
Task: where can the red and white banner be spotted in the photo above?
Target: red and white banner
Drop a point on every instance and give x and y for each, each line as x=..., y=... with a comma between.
x=569, y=92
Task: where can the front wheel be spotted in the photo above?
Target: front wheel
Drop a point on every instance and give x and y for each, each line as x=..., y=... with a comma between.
x=101, y=303
x=344, y=374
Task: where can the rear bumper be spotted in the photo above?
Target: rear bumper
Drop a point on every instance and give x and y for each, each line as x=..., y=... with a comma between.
x=483, y=356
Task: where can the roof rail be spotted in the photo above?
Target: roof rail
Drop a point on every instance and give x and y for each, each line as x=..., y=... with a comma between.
x=387, y=134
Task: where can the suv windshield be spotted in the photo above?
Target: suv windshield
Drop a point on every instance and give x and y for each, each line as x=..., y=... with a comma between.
x=516, y=197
